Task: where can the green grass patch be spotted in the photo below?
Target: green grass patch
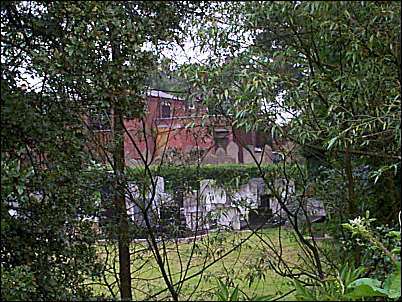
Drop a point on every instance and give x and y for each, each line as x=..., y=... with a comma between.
x=247, y=266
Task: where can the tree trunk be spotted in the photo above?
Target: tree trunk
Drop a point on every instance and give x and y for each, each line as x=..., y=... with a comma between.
x=119, y=196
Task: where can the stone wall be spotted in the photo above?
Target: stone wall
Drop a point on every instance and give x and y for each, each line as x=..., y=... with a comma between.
x=219, y=207
x=136, y=203
x=216, y=207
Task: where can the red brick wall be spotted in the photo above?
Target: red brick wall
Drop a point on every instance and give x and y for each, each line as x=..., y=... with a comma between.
x=173, y=133
x=173, y=130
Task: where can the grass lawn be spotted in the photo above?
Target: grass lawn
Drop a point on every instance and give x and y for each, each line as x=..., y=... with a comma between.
x=249, y=261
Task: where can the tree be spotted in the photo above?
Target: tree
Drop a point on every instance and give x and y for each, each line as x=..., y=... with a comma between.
x=331, y=71
x=86, y=57
x=333, y=68
x=48, y=184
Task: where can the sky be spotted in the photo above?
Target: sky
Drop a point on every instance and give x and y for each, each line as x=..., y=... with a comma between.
x=188, y=54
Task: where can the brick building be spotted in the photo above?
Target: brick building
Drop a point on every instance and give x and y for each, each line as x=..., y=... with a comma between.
x=165, y=131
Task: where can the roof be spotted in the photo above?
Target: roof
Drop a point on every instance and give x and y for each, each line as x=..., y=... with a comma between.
x=162, y=94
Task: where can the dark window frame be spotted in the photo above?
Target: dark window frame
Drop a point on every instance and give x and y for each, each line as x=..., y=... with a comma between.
x=166, y=110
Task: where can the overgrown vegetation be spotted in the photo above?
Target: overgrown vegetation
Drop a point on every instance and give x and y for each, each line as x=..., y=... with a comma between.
x=329, y=71
x=241, y=268
x=188, y=177
x=324, y=75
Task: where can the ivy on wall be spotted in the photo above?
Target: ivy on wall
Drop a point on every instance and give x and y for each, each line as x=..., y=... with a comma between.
x=188, y=177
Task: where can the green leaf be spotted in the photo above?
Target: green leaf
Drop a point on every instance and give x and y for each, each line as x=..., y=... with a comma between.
x=331, y=142
x=302, y=293
x=366, y=287
x=393, y=283
x=20, y=189
x=223, y=291
x=235, y=295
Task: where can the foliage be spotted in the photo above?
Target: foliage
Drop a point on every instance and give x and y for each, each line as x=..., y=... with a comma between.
x=331, y=289
x=329, y=185
x=348, y=286
x=349, y=283
x=62, y=63
x=369, y=287
x=330, y=71
x=17, y=284
x=380, y=246
x=44, y=222
x=323, y=75
x=187, y=177
x=333, y=67
x=224, y=294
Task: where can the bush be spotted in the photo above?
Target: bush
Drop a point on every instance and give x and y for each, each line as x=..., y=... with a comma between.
x=188, y=176
x=17, y=284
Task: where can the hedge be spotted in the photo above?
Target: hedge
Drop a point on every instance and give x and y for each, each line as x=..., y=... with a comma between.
x=188, y=176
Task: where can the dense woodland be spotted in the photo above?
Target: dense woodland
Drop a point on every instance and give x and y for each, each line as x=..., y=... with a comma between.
x=324, y=75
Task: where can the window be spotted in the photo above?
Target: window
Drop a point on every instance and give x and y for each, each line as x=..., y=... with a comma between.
x=221, y=137
x=165, y=110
